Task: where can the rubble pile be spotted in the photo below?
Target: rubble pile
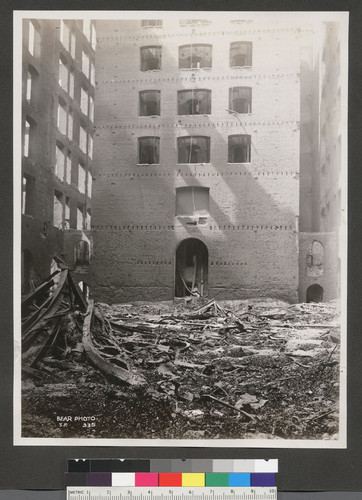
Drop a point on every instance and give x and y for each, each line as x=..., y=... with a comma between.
x=233, y=369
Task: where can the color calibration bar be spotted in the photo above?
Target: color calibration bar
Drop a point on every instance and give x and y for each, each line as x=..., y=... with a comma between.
x=159, y=493
x=171, y=479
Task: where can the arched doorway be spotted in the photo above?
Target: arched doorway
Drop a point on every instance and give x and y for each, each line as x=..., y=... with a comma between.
x=315, y=293
x=191, y=274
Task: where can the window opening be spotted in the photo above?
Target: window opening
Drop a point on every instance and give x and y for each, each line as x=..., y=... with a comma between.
x=82, y=253
x=192, y=201
x=83, y=139
x=151, y=23
x=58, y=210
x=240, y=99
x=80, y=210
x=71, y=84
x=68, y=173
x=193, y=149
x=62, y=118
x=34, y=40
x=149, y=150
x=84, y=101
x=81, y=179
x=59, y=162
x=150, y=102
x=89, y=185
x=27, y=207
x=85, y=64
x=239, y=149
x=194, y=22
x=63, y=75
x=315, y=259
x=194, y=102
x=67, y=213
x=240, y=54
x=151, y=57
x=195, y=56
x=88, y=220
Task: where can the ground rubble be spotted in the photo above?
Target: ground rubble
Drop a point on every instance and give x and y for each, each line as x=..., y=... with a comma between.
x=194, y=370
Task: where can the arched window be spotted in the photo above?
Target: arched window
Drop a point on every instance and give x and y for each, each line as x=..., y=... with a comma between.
x=81, y=257
x=194, y=102
x=198, y=55
x=315, y=259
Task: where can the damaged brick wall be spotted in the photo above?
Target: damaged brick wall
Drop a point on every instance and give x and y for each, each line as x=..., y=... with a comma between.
x=250, y=231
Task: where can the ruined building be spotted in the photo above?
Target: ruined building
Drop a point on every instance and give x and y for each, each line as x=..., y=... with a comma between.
x=217, y=157
x=57, y=130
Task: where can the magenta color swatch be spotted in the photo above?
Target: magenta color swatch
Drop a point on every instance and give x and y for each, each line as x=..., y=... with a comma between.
x=146, y=479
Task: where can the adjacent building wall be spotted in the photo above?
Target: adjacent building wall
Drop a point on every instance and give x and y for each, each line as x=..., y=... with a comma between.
x=52, y=150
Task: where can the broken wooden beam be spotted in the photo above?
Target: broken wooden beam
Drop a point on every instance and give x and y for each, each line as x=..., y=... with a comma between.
x=246, y=415
x=115, y=372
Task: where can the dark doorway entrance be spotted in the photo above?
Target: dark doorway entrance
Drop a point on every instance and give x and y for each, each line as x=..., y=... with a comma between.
x=191, y=268
x=315, y=293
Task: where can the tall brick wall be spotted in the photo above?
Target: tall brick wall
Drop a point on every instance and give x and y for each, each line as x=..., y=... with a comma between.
x=40, y=237
x=250, y=232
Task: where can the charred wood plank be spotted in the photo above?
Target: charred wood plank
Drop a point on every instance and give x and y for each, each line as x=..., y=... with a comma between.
x=49, y=307
x=117, y=373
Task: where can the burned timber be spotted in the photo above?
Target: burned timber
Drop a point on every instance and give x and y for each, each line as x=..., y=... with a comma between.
x=194, y=369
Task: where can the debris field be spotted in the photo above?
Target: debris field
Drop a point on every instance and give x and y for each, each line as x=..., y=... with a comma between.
x=196, y=369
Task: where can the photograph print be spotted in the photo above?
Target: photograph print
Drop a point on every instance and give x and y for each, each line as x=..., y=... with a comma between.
x=180, y=228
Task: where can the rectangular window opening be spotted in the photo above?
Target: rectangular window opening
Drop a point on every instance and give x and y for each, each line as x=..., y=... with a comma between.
x=192, y=201
x=81, y=178
x=58, y=210
x=80, y=210
x=27, y=207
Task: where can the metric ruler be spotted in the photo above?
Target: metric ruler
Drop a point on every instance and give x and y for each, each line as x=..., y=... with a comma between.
x=163, y=493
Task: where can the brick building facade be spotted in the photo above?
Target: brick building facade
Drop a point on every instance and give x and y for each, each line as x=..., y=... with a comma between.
x=221, y=188
x=217, y=157
x=57, y=128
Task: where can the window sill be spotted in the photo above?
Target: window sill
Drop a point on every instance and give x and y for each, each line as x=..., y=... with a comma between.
x=149, y=116
x=148, y=164
x=150, y=70
x=239, y=163
x=206, y=68
x=241, y=67
x=201, y=164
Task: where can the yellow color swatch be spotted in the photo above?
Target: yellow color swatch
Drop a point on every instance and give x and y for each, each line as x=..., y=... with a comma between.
x=193, y=479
